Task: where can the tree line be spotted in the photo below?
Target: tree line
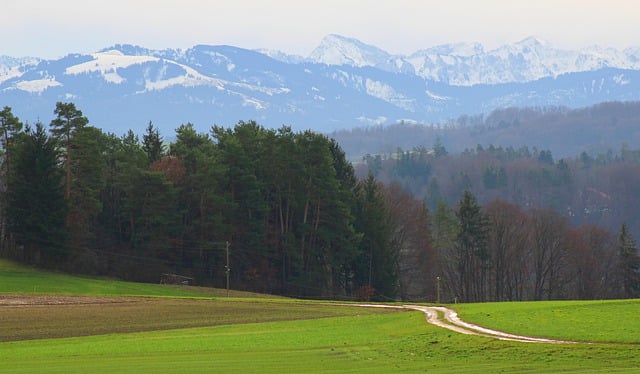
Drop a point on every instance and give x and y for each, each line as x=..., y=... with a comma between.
x=502, y=252
x=287, y=205
x=564, y=131
x=292, y=213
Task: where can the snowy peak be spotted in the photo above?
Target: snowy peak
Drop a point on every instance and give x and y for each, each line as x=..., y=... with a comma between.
x=344, y=83
x=467, y=64
x=533, y=43
x=340, y=50
x=281, y=56
x=107, y=63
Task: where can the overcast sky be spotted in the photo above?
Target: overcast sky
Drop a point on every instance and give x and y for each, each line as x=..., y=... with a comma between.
x=53, y=28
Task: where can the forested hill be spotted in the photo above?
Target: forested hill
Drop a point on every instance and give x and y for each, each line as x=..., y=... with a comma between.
x=565, y=132
x=598, y=189
x=295, y=219
x=286, y=205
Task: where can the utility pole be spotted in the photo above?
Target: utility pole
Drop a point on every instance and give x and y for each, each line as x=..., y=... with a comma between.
x=227, y=269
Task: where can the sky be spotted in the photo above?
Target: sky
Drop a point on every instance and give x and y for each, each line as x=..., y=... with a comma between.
x=50, y=29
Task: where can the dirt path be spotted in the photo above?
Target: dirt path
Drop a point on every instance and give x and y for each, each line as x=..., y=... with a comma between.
x=452, y=322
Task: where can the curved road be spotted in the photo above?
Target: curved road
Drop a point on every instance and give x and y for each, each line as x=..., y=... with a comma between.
x=452, y=322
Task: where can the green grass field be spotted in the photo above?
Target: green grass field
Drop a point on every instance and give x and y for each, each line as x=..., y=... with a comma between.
x=20, y=279
x=602, y=321
x=186, y=331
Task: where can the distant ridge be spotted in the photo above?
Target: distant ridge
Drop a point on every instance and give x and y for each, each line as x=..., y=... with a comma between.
x=342, y=84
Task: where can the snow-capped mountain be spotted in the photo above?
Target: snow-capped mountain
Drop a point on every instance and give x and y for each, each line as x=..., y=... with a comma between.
x=344, y=83
x=469, y=64
x=11, y=67
x=340, y=50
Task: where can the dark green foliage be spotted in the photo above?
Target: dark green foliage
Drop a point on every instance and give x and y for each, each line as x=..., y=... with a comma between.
x=628, y=265
x=36, y=207
x=152, y=144
x=284, y=202
x=376, y=267
x=10, y=125
x=471, y=247
x=64, y=128
x=493, y=178
x=298, y=222
x=88, y=170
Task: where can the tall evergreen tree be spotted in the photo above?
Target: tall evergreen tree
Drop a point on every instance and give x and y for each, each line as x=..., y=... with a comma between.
x=82, y=148
x=471, y=244
x=88, y=182
x=377, y=265
x=64, y=127
x=152, y=144
x=628, y=264
x=444, y=233
x=202, y=200
x=36, y=208
x=10, y=126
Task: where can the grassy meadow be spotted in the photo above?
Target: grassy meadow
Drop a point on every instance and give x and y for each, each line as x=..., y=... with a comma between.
x=605, y=321
x=125, y=327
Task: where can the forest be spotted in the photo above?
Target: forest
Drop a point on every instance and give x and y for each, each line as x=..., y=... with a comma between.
x=566, y=132
x=287, y=213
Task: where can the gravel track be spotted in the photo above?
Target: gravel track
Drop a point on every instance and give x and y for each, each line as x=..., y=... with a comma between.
x=452, y=322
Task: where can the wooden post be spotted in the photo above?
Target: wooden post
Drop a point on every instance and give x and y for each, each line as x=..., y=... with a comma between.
x=227, y=269
x=438, y=290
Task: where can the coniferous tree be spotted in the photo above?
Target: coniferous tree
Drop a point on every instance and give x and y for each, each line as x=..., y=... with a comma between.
x=64, y=128
x=10, y=127
x=88, y=180
x=628, y=264
x=444, y=233
x=471, y=244
x=82, y=151
x=36, y=208
x=377, y=265
x=152, y=144
x=202, y=200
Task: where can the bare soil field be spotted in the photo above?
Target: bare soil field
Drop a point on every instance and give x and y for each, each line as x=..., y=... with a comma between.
x=33, y=300
x=55, y=316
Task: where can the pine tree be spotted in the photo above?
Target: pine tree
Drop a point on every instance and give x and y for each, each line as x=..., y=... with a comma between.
x=152, y=144
x=10, y=127
x=471, y=244
x=64, y=127
x=444, y=232
x=201, y=198
x=377, y=265
x=628, y=264
x=36, y=208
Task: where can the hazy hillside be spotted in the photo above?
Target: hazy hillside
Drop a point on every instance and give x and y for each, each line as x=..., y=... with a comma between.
x=565, y=132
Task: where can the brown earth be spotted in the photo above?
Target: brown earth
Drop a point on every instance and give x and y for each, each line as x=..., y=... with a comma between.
x=57, y=316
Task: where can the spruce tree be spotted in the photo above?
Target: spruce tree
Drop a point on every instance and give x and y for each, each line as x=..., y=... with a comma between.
x=628, y=264
x=36, y=208
x=471, y=244
x=152, y=144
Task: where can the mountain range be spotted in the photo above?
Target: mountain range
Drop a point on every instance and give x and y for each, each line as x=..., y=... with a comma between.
x=343, y=83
